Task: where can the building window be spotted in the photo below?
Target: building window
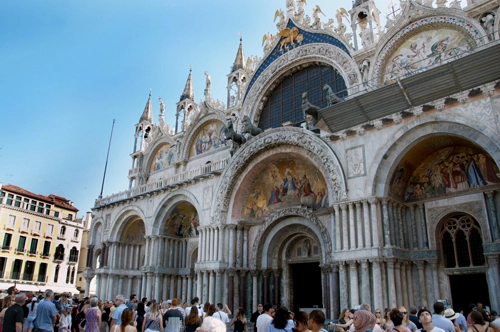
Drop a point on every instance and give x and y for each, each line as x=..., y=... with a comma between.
x=26, y=203
x=56, y=273
x=21, y=243
x=42, y=272
x=59, y=254
x=10, y=198
x=2, y=195
x=3, y=265
x=68, y=275
x=56, y=214
x=11, y=222
x=62, y=232
x=70, y=217
x=25, y=227
x=284, y=104
x=7, y=238
x=49, y=230
x=75, y=234
x=73, y=275
x=46, y=249
x=17, y=203
x=37, y=227
x=33, y=205
x=29, y=270
x=16, y=269
x=73, y=255
x=461, y=242
x=47, y=209
x=40, y=207
x=33, y=246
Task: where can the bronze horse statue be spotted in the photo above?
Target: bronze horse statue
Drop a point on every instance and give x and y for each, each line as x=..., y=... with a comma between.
x=232, y=135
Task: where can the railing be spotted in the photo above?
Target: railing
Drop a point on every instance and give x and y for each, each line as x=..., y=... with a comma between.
x=44, y=255
x=48, y=234
x=10, y=227
x=172, y=181
x=73, y=259
x=74, y=239
x=58, y=257
x=61, y=237
x=35, y=232
x=32, y=252
x=20, y=250
x=24, y=230
x=134, y=171
x=14, y=275
x=6, y=248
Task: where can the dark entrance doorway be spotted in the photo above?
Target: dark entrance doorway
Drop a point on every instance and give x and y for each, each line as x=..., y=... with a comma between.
x=305, y=286
x=469, y=288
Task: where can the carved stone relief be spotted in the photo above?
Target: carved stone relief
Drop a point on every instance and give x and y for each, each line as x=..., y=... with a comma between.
x=207, y=197
x=356, y=165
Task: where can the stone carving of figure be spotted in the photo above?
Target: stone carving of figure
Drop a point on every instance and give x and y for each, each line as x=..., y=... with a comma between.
x=331, y=97
x=208, y=85
x=161, y=117
x=249, y=129
x=233, y=136
x=299, y=17
x=364, y=67
x=487, y=22
x=316, y=20
x=341, y=28
x=232, y=101
x=267, y=42
x=306, y=248
x=281, y=23
x=310, y=112
x=250, y=64
x=329, y=25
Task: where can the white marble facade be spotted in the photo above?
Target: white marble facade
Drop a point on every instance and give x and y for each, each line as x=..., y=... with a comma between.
x=202, y=218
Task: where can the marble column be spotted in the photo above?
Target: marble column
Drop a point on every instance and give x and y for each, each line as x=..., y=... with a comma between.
x=354, y=289
x=245, y=248
x=161, y=249
x=375, y=224
x=231, y=245
x=325, y=286
x=405, y=285
x=239, y=242
x=184, y=288
x=409, y=283
x=222, y=241
x=178, y=290
x=265, y=281
x=206, y=285
x=401, y=227
x=153, y=250
x=199, y=286
x=201, y=244
x=421, y=282
x=385, y=222
x=377, y=284
x=172, y=291
x=87, y=285
x=359, y=223
x=210, y=244
x=189, y=288
x=413, y=227
x=230, y=288
x=335, y=292
x=336, y=229
x=243, y=274
x=255, y=280
x=216, y=244
x=435, y=279
x=176, y=254
x=164, y=289
x=277, y=287
x=236, y=295
x=392, y=223
x=399, y=285
x=493, y=279
x=144, y=285
x=218, y=285
x=367, y=224
x=365, y=282
x=391, y=283
x=423, y=225
x=344, y=298
x=345, y=228
x=157, y=287
x=492, y=216
x=97, y=286
x=352, y=227
x=211, y=292
x=130, y=280
x=149, y=286
x=103, y=287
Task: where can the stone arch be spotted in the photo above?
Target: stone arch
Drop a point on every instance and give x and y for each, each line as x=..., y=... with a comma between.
x=97, y=258
x=286, y=239
x=428, y=19
x=193, y=130
x=96, y=232
x=316, y=53
x=126, y=215
x=387, y=157
x=280, y=225
x=192, y=258
x=316, y=150
x=165, y=207
x=496, y=26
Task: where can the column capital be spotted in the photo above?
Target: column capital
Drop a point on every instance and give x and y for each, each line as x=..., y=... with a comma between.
x=231, y=226
x=277, y=272
x=231, y=272
x=266, y=273
x=326, y=269
x=364, y=263
x=420, y=264
x=343, y=206
x=376, y=261
x=255, y=273
x=335, y=268
x=490, y=193
x=219, y=272
x=373, y=200
x=492, y=259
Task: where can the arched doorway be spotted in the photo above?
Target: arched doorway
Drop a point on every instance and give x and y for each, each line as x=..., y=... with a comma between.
x=463, y=258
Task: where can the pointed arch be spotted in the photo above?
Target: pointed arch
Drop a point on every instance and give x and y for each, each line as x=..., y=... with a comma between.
x=167, y=204
x=127, y=214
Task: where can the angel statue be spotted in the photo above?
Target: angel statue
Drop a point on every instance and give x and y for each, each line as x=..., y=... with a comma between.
x=161, y=116
x=316, y=20
x=208, y=85
x=267, y=42
x=290, y=8
x=341, y=28
x=281, y=15
x=299, y=17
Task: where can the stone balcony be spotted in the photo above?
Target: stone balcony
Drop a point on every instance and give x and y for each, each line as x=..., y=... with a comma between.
x=198, y=173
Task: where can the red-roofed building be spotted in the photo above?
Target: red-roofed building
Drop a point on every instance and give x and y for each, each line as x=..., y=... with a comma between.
x=41, y=241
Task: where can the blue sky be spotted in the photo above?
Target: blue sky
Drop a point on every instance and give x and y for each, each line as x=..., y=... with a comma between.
x=68, y=68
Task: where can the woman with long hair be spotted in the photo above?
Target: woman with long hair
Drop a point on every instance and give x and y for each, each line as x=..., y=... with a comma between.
x=379, y=318
x=240, y=321
x=211, y=310
x=388, y=325
x=301, y=319
x=363, y=321
x=205, y=308
x=127, y=324
x=32, y=313
x=193, y=320
x=6, y=303
x=153, y=321
x=345, y=320
x=140, y=312
x=406, y=319
x=397, y=318
x=65, y=320
x=281, y=321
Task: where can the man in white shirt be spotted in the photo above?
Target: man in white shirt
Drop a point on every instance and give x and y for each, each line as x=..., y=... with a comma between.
x=194, y=303
x=495, y=319
x=265, y=318
x=219, y=314
x=425, y=318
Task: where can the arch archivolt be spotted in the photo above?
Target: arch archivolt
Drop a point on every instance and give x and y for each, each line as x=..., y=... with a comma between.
x=95, y=231
x=191, y=135
x=154, y=149
x=280, y=226
x=287, y=240
x=128, y=214
x=387, y=157
x=167, y=204
x=311, y=145
x=296, y=58
x=475, y=209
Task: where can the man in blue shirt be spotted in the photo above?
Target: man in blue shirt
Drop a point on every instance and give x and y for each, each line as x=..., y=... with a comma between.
x=46, y=313
x=439, y=320
x=117, y=314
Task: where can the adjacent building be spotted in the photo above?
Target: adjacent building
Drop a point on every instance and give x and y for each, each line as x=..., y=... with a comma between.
x=349, y=164
x=41, y=240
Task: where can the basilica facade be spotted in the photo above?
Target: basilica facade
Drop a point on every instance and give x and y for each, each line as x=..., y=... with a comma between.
x=349, y=164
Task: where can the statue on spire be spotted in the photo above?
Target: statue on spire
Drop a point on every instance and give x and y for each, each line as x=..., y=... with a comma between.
x=208, y=85
x=290, y=8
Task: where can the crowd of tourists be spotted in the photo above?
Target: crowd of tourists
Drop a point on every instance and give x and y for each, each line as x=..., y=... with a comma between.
x=22, y=312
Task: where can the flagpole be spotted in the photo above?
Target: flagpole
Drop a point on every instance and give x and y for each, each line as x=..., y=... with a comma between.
x=107, y=156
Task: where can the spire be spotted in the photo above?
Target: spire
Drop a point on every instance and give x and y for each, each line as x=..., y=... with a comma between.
x=239, y=62
x=147, y=115
x=188, y=89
